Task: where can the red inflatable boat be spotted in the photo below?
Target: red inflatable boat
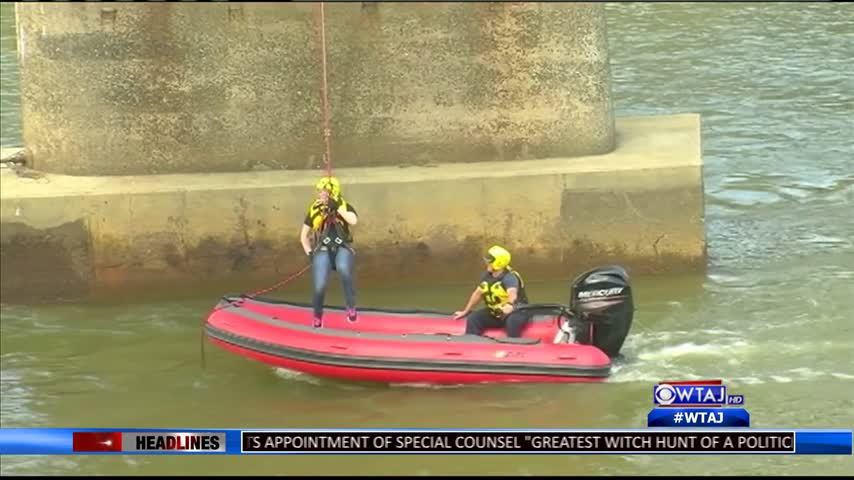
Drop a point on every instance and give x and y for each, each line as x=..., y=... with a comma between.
x=560, y=344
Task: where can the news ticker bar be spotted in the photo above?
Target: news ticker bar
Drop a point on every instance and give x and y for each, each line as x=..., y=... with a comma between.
x=55, y=441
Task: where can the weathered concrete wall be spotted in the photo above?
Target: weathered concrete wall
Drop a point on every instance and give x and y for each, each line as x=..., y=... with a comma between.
x=641, y=206
x=132, y=88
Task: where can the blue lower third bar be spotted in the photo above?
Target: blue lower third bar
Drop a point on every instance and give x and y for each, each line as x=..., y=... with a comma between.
x=66, y=441
x=698, y=417
x=58, y=441
x=823, y=442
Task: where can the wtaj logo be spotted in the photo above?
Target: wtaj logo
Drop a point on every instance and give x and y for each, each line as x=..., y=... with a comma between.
x=697, y=393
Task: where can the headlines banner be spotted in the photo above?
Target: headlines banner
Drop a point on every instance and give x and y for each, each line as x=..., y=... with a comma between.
x=48, y=441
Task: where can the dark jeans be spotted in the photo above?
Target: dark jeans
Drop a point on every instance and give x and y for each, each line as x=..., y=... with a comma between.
x=321, y=265
x=479, y=320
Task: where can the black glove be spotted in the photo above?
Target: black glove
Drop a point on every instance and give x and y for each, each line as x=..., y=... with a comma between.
x=333, y=206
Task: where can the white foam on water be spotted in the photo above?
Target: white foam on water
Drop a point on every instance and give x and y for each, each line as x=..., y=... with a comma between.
x=723, y=278
x=18, y=399
x=748, y=380
x=819, y=239
x=428, y=386
x=295, y=375
x=693, y=376
x=649, y=337
x=719, y=331
x=17, y=357
x=654, y=361
x=23, y=464
x=810, y=347
x=659, y=358
x=693, y=349
x=46, y=327
x=805, y=372
x=638, y=374
x=288, y=374
x=844, y=274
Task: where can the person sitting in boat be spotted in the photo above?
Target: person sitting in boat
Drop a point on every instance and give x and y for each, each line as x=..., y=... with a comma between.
x=326, y=238
x=503, y=291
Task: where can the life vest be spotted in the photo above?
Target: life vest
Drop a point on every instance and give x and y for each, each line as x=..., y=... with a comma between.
x=494, y=294
x=329, y=231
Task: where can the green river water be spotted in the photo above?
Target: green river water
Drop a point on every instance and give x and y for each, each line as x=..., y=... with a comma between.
x=772, y=316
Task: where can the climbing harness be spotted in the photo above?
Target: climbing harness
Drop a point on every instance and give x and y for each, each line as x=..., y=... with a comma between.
x=327, y=160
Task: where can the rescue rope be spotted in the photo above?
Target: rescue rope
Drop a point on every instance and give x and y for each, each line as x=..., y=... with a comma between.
x=244, y=297
x=327, y=160
x=327, y=130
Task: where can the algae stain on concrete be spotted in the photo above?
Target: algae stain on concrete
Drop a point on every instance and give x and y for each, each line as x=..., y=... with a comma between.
x=53, y=262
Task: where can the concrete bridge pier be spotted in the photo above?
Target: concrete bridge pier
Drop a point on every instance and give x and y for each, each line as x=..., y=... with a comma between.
x=177, y=144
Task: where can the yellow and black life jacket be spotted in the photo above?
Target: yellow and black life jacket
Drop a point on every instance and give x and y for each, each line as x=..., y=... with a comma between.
x=494, y=294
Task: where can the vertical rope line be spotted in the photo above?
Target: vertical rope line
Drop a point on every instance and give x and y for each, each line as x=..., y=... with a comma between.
x=327, y=131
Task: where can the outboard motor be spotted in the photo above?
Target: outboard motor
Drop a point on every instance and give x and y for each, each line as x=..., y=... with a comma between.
x=602, y=307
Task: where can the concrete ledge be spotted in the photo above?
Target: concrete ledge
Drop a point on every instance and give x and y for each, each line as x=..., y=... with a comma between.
x=641, y=206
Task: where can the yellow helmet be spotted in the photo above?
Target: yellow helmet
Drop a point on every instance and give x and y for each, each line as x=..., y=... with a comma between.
x=331, y=185
x=497, y=257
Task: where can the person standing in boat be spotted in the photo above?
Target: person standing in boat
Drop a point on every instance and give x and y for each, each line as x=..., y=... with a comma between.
x=326, y=239
x=503, y=291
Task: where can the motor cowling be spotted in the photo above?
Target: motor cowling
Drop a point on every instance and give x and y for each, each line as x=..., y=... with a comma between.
x=603, y=308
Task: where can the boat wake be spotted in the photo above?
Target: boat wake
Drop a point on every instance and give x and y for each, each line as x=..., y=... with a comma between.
x=655, y=357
